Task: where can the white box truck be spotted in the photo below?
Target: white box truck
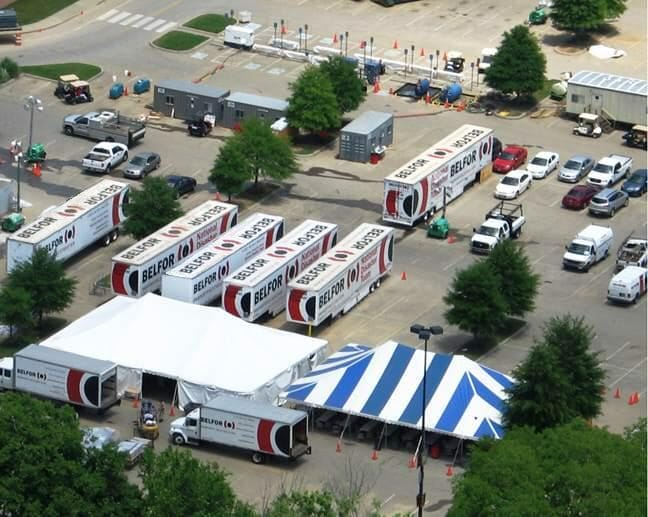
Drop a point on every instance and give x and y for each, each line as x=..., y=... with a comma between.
x=589, y=247
x=342, y=277
x=240, y=35
x=628, y=285
x=93, y=215
x=415, y=190
x=139, y=269
x=262, y=428
x=258, y=288
x=67, y=377
x=199, y=279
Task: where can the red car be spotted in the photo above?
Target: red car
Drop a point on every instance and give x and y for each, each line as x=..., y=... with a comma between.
x=579, y=197
x=511, y=158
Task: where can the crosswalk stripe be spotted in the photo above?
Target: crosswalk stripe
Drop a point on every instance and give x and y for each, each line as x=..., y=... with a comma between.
x=108, y=14
x=153, y=25
x=143, y=21
x=166, y=26
x=130, y=20
x=119, y=17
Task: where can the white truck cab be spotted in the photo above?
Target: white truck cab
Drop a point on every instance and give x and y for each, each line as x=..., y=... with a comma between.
x=6, y=373
x=503, y=222
x=628, y=285
x=590, y=246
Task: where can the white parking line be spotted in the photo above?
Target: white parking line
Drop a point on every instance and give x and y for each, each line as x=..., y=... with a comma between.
x=418, y=18
x=486, y=20
x=454, y=263
x=629, y=372
x=333, y=5
x=155, y=24
x=617, y=350
x=166, y=26
x=132, y=19
x=107, y=14
x=119, y=17
x=592, y=280
x=143, y=21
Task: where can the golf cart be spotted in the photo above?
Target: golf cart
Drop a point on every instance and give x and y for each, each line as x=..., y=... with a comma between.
x=13, y=222
x=636, y=137
x=147, y=421
x=439, y=228
x=78, y=92
x=455, y=62
x=588, y=125
x=538, y=16
x=63, y=85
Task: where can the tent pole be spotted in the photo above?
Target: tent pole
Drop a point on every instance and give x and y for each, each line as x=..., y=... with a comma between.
x=175, y=392
x=346, y=423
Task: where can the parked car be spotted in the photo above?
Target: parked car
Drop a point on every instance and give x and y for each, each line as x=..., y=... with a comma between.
x=637, y=184
x=513, y=184
x=141, y=164
x=608, y=201
x=511, y=158
x=181, y=184
x=199, y=128
x=579, y=197
x=543, y=164
x=576, y=168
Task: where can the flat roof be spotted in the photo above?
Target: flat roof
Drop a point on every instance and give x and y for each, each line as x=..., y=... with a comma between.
x=259, y=101
x=367, y=122
x=263, y=410
x=191, y=88
x=69, y=359
x=610, y=82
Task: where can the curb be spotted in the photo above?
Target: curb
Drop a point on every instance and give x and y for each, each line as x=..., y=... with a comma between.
x=563, y=53
x=101, y=72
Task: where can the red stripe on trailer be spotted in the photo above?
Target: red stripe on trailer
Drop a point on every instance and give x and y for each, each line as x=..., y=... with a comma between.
x=264, y=435
x=269, y=239
x=73, y=382
x=424, y=192
x=382, y=265
x=294, y=301
x=390, y=202
x=224, y=222
x=115, y=211
x=117, y=278
x=229, y=299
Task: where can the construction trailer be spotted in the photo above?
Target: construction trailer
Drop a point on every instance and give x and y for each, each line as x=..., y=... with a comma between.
x=188, y=101
x=613, y=97
x=370, y=132
x=240, y=107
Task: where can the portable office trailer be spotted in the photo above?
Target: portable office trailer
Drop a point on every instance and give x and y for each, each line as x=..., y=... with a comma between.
x=243, y=106
x=622, y=99
x=360, y=138
x=188, y=101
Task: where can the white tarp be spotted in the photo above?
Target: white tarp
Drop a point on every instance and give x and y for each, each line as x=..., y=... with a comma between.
x=205, y=349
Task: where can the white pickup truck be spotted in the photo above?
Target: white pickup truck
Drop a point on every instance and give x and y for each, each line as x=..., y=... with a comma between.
x=609, y=170
x=633, y=252
x=503, y=222
x=104, y=156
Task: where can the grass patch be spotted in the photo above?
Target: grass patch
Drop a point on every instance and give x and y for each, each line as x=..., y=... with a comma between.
x=51, y=325
x=31, y=11
x=475, y=348
x=545, y=91
x=82, y=70
x=179, y=40
x=210, y=23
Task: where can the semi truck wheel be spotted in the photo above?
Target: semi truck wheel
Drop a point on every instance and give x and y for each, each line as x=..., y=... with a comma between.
x=258, y=458
x=114, y=235
x=178, y=439
x=106, y=240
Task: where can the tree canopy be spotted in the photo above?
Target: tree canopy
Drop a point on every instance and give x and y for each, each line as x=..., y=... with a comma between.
x=43, y=277
x=585, y=15
x=568, y=470
x=313, y=106
x=16, y=308
x=348, y=87
x=151, y=207
x=230, y=171
x=519, y=65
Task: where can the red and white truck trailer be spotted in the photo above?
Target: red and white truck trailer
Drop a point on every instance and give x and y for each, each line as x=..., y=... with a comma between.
x=261, y=428
x=199, y=279
x=344, y=276
x=415, y=190
x=139, y=269
x=259, y=287
x=93, y=215
x=58, y=375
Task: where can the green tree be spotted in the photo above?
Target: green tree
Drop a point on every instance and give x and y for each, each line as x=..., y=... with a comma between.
x=16, y=309
x=313, y=106
x=10, y=66
x=46, y=470
x=567, y=470
x=151, y=207
x=230, y=171
x=475, y=302
x=298, y=504
x=519, y=65
x=175, y=483
x=349, y=88
x=44, y=278
x=518, y=283
x=585, y=15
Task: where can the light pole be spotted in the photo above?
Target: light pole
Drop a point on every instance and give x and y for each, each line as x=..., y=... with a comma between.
x=436, y=68
x=306, y=38
x=423, y=333
x=371, y=47
x=32, y=103
x=405, y=52
x=275, y=32
x=16, y=151
x=412, y=57
x=341, y=42
x=346, y=43
x=300, y=39
x=282, y=32
x=431, y=64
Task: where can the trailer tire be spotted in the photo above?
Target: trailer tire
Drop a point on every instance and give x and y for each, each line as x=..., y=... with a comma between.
x=113, y=235
x=68, y=130
x=258, y=458
x=107, y=240
x=178, y=439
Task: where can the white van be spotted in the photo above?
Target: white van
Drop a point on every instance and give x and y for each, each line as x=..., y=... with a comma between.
x=6, y=373
x=628, y=285
x=590, y=246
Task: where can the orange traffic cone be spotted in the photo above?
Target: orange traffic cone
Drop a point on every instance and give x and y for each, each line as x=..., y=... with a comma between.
x=338, y=446
x=36, y=170
x=395, y=45
x=136, y=402
x=452, y=239
x=125, y=91
x=449, y=471
x=422, y=54
x=617, y=393
x=631, y=399
x=427, y=99
x=404, y=275
x=363, y=44
x=374, y=455
x=284, y=30
x=376, y=87
x=172, y=410
x=391, y=91
x=335, y=40
x=446, y=104
x=412, y=462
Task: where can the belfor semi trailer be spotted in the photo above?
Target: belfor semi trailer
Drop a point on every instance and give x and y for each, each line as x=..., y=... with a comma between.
x=261, y=428
x=93, y=215
x=199, y=279
x=139, y=269
x=415, y=190
x=67, y=377
x=258, y=288
x=344, y=276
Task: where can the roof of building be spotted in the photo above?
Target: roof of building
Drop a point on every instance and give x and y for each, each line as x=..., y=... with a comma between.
x=259, y=101
x=610, y=82
x=195, y=89
x=367, y=122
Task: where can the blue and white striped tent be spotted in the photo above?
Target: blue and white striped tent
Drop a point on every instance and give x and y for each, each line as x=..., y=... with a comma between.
x=464, y=398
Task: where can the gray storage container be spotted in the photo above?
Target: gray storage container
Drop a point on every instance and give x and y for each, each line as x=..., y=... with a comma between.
x=365, y=135
x=188, y=101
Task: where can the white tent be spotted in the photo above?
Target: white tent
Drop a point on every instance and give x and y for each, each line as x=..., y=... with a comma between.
x=205, y=349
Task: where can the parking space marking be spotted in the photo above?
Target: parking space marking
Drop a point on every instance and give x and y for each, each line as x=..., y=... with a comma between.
x=628, y=372
x=155, y=24
x=486, y=20
x=617, y=350
x=278, y=60
x=166, y=26
x=592, y=280
x=143, y=21
x=119, y=17
x=454, y=263
x=414, y=20
x=107, y=14
x=132, y=19
x=331, y=6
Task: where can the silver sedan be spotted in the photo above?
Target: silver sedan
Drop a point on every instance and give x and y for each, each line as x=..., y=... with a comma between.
x=141, y=164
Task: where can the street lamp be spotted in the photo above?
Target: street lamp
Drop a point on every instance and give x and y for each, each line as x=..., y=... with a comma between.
x=431, y=64
x=412, y=68
x=275, y=32
x=371, y=47
x=16, y=151
x=436, y=68
x=405, y=52
x=341, y=41
x=32, y=103
x=282, y=33
x=306, y=38
x=423, y=333
x=346, y=43
x=300, y=39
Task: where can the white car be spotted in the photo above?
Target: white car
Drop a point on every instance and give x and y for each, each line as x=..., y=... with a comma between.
x=513, y=184
x=543, y=164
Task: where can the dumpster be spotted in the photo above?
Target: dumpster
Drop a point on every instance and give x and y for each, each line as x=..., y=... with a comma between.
x=141, y=86
x=439, y=228
x=36, y=154
x=116, y=91
x=12, y=222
